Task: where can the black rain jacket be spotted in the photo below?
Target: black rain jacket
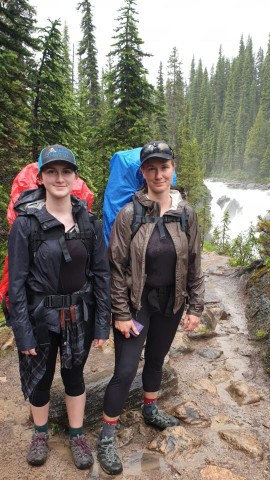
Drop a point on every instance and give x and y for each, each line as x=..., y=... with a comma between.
x=41, y=274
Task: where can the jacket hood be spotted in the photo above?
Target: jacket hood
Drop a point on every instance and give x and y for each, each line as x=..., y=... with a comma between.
x=31, y=201
x=177, y=201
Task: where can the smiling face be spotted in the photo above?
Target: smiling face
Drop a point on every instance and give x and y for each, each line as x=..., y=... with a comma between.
x=158, y=174
x=58, y=179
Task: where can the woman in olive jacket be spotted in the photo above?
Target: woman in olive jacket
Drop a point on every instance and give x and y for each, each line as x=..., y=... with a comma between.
x=155, y=274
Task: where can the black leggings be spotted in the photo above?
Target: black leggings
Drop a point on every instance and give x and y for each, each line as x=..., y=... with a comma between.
x=159, y=331
x=72, y=378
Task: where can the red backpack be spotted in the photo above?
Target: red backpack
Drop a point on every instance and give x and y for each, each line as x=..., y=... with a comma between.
x=26, y=180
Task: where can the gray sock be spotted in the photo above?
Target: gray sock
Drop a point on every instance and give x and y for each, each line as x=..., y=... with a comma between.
x=108, y=430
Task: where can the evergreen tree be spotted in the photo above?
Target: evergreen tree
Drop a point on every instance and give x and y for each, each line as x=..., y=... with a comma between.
x=129, y=91
x=17, y=47
x=194, y=96
x=246, y=112
x=159, y=128
x=54, y=108
x=89, y=89
x=174, y=97
x=256, y=159
x=189, y=171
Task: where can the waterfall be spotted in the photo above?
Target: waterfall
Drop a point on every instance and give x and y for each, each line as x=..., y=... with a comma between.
x=243, y=205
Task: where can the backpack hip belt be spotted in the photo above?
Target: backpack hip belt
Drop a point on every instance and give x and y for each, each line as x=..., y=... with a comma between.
x=60, y=301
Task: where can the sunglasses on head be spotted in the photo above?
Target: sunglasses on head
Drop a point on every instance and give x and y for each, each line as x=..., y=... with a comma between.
x=156, y=147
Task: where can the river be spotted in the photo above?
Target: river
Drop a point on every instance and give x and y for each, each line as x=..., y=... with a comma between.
x=244, y=206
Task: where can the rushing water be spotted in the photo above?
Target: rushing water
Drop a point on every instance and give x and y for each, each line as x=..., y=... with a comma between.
x=244, y=206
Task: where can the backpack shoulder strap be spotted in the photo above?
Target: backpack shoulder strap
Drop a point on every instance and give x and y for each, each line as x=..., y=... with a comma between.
x=86, y=229
x=86, y=234
x=139, y=218
x=35, y=236
x=182, y=218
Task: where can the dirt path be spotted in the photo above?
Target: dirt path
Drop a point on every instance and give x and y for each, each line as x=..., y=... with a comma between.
x=202, y=380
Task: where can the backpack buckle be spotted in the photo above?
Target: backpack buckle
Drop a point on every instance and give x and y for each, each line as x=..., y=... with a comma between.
x=57, y=301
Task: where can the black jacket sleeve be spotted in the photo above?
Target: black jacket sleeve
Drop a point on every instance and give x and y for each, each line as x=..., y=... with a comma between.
x=101, y=271
x=18, y=261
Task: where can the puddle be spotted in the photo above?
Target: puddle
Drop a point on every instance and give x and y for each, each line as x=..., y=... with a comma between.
x=136, y=464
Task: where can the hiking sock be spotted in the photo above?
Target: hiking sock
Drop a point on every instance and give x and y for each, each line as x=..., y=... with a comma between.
x=149, y=404
x=108, y=428
x=41, y=428
x=73, y=432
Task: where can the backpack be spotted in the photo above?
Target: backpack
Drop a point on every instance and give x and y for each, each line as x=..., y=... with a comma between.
x=24, y=191
x=125, y=178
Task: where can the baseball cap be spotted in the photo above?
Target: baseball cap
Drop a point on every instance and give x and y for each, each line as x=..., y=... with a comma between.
x=56, y=153
x=156, y=149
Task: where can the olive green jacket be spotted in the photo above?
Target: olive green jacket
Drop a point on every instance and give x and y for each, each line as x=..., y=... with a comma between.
x=127, y=258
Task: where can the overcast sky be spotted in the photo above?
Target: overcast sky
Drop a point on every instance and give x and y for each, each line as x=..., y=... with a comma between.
x=195, y=27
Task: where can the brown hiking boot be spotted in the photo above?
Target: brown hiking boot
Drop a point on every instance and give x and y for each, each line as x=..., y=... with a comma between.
x=38, y=451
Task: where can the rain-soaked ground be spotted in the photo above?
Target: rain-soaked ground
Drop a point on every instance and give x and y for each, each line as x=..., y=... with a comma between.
x=214, y=459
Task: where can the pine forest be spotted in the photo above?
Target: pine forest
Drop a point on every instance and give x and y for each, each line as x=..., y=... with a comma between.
x=217, y=122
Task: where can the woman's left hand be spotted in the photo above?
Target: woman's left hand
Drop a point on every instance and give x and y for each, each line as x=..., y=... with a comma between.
x=98, y=343
x=190, y=322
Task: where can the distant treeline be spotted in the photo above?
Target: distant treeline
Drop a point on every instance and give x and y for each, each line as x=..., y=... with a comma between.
x=218, y=124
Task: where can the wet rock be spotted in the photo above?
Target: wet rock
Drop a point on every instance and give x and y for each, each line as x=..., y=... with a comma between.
x=142, y=429
x=190, y=413
x=246, y=351
x=125, y=436
x=233, y=207
x=96, y=384
x=242, y=393
x=218, y=473
x=210, y=353
x=207, y=326
x=207, y=385
x=222, y=200
x=209, y=319
x=258, y=300
x=219, y=421
x=174, y=441
x=130, y=417
x=219, y=376
x=181, y=345
x=249, y=374
x=220, y=313
x=244, y=441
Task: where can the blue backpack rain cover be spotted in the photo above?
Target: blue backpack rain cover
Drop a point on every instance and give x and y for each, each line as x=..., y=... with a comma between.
x=125, y=178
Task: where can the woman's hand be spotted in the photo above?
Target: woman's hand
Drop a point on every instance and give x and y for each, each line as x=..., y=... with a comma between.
x=190, y=322
x=124, y=326
x=32, y=351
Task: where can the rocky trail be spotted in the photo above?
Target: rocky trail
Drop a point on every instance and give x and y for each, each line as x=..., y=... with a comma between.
x=221, y=396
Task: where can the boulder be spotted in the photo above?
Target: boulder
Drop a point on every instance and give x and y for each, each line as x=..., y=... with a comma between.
x=95, y=388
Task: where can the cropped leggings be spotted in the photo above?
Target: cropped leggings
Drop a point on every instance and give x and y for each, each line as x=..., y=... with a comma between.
x=72, y=378
x=158, y=333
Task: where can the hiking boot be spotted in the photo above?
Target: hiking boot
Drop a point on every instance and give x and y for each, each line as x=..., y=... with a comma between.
x=81, y=452
x=38, y=451
x=160, y=419
x=108, y=457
